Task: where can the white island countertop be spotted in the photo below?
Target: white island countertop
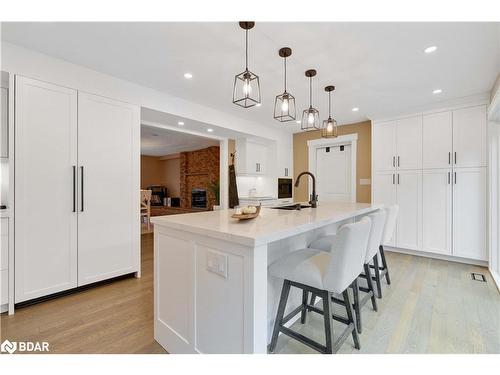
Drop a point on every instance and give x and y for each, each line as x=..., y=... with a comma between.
x=271, y=225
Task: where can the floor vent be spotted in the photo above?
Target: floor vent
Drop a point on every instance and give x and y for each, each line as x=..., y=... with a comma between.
x=478, y=277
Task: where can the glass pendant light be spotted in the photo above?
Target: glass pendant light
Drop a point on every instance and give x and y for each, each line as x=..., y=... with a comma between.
x=284, y=105
x=330, y=129
x=246, y=91
x=310, y=116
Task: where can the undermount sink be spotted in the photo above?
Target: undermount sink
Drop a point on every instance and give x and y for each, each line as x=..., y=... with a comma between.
x=292, y=207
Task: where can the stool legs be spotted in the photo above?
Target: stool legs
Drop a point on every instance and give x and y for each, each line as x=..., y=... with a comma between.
x=348, y=308
x=285, y=291
x=377, y=275
x=384, y=265
x=357, y=307
x=327, y=317
x=303, y=314
x=369, y=281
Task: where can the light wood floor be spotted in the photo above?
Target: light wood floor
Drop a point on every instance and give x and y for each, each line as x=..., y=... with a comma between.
x=112, y=318
x=432, y=306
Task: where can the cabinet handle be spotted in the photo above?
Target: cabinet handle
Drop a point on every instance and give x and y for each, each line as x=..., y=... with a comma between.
x=81, y=187
x=448, y=178
x=398, y=178
x=449, y=158
x=398, y=161
x=393, y=179
x=393, y=161
x=455, y=174
x=286, y=172
x=455, y=158
x=74, y=188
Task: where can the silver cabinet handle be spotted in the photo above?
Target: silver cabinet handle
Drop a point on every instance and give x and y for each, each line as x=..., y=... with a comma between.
x=455, y=173
x=393, y=179
x=286, y=172
x=449, y=158
x=81, y=187
x=448, y=178
x=398, y=178
x=455, y=158
x=393, y=161
x=74, y=188
x=398, y=161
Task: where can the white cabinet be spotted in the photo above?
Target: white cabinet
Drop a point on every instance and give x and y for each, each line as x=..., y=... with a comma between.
x=409, y=199
x=409, y=143
x=437, y=211
x=77, y=189
x=384, y=146
x=398, y=144
x=45, y=198
x=437, y=140
x=4, y=264
x=108, y=217
x=251, y=157
x=384, y=191
x=469, y=213
x=4, y=123
x=469, y=137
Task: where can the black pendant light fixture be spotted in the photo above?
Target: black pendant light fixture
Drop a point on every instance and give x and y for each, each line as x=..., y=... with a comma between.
x=330, y=129
x=246, y=91
x=284, y=104
x=310, y=116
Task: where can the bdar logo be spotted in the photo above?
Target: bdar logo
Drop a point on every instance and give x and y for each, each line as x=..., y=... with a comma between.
x=8, y=347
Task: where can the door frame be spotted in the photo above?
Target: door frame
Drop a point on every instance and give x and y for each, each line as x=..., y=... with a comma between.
x=342, y=140
x=223, y=157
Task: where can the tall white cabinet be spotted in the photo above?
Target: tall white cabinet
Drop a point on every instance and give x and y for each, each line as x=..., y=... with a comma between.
x=76, y=189
x=434, y=166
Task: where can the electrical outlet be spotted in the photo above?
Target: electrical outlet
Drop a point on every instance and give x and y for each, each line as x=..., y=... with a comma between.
x=217, y=263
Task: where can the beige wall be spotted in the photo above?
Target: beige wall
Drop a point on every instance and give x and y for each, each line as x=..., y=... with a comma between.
x=155, y=171
x=363, y=158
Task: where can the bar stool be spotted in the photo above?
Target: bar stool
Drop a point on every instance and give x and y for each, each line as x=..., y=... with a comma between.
x=390, y=225
x=322, y=273
x=378, y=220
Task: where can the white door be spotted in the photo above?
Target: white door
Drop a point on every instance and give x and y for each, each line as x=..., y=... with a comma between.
x=4, y=123
x=469, y=137
x=334, y=174
x=409, y=199
x=384, y=146
x=437, y=140
x=46, y=218
x=469, y=213
x=409, y=143
x=384, y=192
x=437, y=211
x=108, y=217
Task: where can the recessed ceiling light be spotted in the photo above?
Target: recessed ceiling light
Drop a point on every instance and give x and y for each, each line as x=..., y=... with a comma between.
x=430, y=49
x=180, y=123
x=188, y=75
x=437, y=91
x=210, y=130
x=355, y=109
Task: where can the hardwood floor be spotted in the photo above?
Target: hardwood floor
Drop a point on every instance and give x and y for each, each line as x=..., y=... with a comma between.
x=111, y=318
x=432, y=306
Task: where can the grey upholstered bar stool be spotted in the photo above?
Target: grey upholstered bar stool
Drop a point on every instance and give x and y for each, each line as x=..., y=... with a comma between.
x=322, y=273
x=378, y=220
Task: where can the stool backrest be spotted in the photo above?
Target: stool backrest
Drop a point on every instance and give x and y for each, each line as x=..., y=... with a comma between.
x=376, y=232
x=347, y=255
x=390, y=223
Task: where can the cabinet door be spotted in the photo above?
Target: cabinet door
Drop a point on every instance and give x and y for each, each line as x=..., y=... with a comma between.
x=108, y=217
x=409, y=143
x=384, y=146
x=469, y=213
x=46, y=222
x=437, y=211
x=437, y=140
x=384, y=191
x=409, y=199
x=256, y=155
x=4, y=123
x=469, y=137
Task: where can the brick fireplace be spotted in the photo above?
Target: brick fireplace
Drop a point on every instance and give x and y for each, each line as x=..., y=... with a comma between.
x=198, y=169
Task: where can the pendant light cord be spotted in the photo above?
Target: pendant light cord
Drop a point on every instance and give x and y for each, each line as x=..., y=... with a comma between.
x=246, y=49
x=310, y=91
x=329, y=104
x=285, y=74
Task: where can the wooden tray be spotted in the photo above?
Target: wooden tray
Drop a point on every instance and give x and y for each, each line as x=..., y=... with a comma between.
x=246, y=216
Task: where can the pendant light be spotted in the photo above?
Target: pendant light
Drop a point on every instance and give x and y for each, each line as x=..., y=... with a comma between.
x=330, y=129
x=310, y=116
x=246, y=91
x=284, y=104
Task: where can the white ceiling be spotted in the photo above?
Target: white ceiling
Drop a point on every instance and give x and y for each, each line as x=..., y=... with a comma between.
x=161, y=142
x=378, y=67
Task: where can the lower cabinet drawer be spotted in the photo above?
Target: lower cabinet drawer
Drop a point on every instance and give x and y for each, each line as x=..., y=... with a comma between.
x=4, y=287
x=4, y=252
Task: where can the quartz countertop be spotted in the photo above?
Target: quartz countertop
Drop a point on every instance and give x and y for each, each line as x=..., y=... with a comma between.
x=271, y=225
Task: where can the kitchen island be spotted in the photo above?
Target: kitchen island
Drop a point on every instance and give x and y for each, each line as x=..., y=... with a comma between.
x=212, y=292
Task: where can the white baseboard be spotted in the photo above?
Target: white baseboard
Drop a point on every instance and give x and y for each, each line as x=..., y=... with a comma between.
x=438, y=256
x=496, y=278
x=4, y=308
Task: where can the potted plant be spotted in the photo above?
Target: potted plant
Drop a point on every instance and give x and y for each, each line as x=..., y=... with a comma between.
x=214, y=187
